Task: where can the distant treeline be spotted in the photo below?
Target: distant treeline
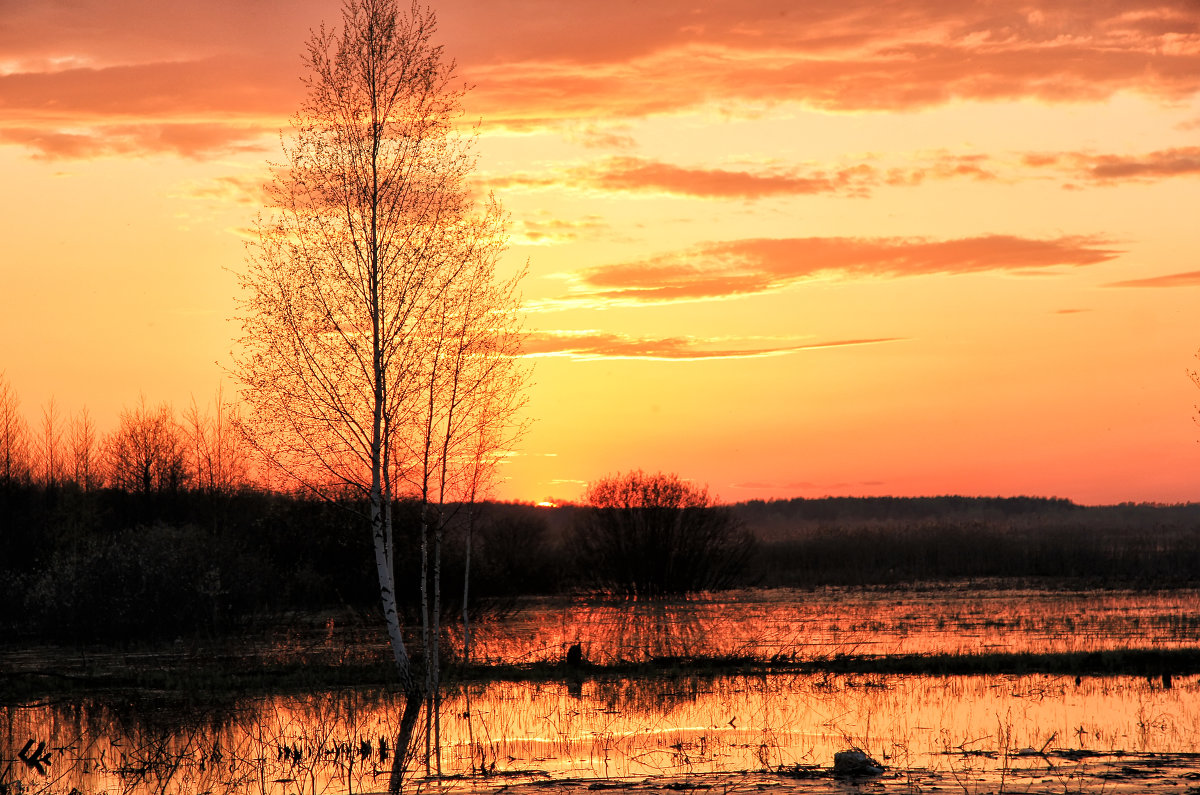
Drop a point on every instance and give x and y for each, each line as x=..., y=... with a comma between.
x=883, y=540
x=899, y=508
x=117, y=564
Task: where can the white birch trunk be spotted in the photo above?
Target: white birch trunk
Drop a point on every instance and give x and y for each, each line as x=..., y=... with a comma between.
x=387, y=593
x=466, y=618
x=435, y=654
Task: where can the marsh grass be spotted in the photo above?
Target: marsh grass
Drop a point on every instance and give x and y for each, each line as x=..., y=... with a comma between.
x=785, y=625
x=980, y=733
x=665, y=691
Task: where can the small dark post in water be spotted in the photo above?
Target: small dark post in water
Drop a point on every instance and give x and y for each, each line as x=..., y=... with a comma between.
x=575, y=656
x=1166, y=681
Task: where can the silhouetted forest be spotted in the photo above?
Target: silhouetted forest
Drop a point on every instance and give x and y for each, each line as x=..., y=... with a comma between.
x=108, y=563
x=113, y=564
x=883, y=540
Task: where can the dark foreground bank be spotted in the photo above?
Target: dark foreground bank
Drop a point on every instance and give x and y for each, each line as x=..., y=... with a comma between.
x=1053, y=773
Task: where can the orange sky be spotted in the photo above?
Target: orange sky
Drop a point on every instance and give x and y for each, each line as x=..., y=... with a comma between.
x=784, y=249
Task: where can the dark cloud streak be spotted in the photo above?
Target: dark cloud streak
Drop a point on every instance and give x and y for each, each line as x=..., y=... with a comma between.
x=1165, y=163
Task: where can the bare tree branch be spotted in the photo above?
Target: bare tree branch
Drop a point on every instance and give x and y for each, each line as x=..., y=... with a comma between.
x=377, y=342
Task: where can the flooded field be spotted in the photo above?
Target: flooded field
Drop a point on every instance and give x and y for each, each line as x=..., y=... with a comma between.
x=765, y=624
x=973, y=727
x=964, y=733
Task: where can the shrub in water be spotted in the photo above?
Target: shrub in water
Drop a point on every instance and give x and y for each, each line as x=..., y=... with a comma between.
x=657, y=534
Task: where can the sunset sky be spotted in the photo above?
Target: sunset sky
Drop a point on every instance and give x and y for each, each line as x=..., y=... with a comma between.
x=780, y=248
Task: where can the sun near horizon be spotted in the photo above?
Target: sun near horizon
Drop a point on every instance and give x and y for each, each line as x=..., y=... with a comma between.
x=928, y=248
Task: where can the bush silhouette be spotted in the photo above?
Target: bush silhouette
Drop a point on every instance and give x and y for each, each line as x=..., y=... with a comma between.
x=652, y=535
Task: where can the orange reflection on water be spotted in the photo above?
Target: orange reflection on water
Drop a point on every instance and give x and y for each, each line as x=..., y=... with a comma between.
x=340, y=742
x=822, y=623
x=331, y=743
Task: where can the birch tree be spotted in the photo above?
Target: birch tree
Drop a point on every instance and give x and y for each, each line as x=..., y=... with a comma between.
x=370, y=229
x=472, y=386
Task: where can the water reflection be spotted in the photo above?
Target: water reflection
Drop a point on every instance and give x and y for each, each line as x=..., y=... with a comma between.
x=330, y=742
x=804, y=624
x=338, y=742
x=761, y=624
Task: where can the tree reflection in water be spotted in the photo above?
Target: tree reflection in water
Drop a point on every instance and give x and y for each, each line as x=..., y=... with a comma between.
x=595, y=724
x=951, y=618
x=599, y=727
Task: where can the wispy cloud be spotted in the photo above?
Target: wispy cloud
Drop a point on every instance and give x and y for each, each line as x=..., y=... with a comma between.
x=942, y=165
x=1111, y=169
x=641, y=175
x=637, y=175
x=590, y=344
x=187, y=140
x=855, y=55
x=644, y=176
x=250, y=191
x=1155, y=165
x=1186, y=279
x=576, y=65
x=191, y=108
x=746, y=267
x=224, y=85
x=545, y=230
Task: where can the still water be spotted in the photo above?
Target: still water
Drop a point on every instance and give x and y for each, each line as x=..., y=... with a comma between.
x=955, y=619
x=337, y=742
x=593, y=727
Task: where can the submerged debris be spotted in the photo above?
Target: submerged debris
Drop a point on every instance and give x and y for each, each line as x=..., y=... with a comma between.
x=855, y=763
